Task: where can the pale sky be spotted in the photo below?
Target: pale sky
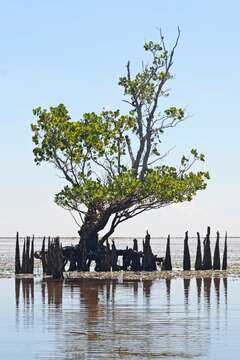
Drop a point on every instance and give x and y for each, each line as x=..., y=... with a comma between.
x=73, y=51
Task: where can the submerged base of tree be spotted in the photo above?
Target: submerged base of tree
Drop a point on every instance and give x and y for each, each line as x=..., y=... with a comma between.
x=105, y=258
x=57, y=259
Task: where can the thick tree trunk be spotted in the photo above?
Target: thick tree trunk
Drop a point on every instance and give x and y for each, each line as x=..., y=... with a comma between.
x=89, y=237
x=90, y=248
x=95, y=220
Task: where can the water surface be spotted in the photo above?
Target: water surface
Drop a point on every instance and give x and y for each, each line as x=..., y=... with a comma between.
x=88, y=319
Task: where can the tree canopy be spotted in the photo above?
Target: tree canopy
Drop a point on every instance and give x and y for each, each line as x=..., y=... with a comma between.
x=113, y=162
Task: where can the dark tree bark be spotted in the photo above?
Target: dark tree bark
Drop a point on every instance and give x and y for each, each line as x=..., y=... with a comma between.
x=31, y=259
x=148, y=261
x=95, y=220
x=224, y=262
x=136, y=259
x=17, y=256
x=43, y=257
x=126, y=259
x=24, y=258
x=207, y=257
x=216, y=256
x=198, y=261
x=108, y=258
x=49, y=258
x=167, y=263
x=27, y=255
x=72, y=260
x=186, y=254
x=56, y=259
x=114, y=257
x=88, y=239
x=135, y=245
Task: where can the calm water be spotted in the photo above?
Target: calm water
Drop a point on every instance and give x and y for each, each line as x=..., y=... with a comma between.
x=88, y=319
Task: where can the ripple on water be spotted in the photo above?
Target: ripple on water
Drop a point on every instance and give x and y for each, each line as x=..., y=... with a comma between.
x=83, y=319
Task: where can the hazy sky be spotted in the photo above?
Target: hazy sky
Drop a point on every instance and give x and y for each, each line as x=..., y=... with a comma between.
x=56, y=51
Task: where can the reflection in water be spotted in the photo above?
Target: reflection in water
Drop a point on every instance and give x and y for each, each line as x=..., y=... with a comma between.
x=207, y=282
x=27, y=286
x=225, y=284
x=168, y=289
x=53, y=290
x=90, y=319
x=147, y=285
x=199, y=289
x=216, y=281
x=186, y=285
x=17, y=290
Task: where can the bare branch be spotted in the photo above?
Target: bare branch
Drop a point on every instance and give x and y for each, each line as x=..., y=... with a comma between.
x=161, y=157
x=130, y=149
x=75, y=220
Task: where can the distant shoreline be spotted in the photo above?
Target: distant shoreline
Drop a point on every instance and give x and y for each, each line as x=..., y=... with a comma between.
x=117, y=237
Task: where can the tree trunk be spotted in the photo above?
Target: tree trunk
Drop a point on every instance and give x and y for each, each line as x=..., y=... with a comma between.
x=88, y=237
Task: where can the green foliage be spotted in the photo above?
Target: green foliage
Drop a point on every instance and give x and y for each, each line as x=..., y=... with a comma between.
x=113, y=162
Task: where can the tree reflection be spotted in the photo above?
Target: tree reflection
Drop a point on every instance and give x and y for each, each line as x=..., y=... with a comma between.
x=199, y=289
x=109, y=319
x=186, y=285
x=216, y=282
x=207, y=282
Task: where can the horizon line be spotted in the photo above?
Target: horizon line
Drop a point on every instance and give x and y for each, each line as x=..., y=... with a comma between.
x=116, y=237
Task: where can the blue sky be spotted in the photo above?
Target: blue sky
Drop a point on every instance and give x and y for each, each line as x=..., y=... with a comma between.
x=73, y=52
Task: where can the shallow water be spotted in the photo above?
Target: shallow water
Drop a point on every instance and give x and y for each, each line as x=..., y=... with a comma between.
x=88, y=319
x=7, y=251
